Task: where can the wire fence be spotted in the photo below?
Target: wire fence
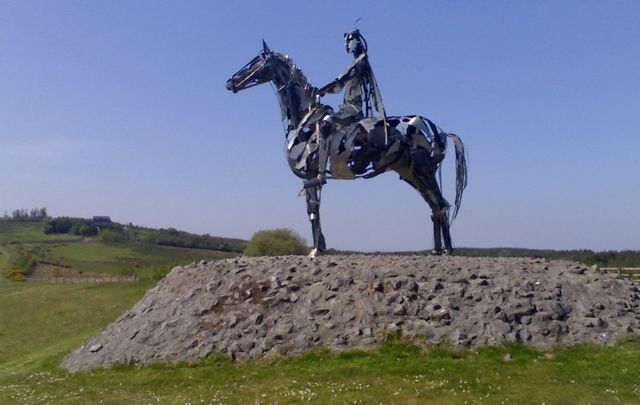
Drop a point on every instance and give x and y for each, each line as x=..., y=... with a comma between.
x=632, y=272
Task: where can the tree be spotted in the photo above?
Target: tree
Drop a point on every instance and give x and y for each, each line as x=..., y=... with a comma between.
x=87, y=230
x=276, y=242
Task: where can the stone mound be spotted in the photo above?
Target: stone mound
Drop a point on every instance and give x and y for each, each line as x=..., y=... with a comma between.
x=270, y=306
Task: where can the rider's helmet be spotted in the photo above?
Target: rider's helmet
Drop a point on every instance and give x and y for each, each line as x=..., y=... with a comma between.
x=355, y=43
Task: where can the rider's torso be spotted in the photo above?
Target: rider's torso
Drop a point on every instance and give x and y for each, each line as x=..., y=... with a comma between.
x=353, y=89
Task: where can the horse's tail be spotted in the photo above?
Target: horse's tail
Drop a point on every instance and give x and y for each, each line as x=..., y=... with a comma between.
x=461, y=172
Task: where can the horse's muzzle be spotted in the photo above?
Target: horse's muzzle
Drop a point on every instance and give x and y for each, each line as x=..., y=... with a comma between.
x=230, y=86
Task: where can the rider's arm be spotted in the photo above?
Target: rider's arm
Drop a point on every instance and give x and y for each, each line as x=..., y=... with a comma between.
x=337, y=85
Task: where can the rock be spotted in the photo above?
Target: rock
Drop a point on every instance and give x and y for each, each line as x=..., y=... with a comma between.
x=440, y=314
x=399, y=310
x=95, y=348
x=301, y=341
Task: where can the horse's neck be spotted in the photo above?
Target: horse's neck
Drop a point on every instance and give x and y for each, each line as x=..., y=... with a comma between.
x=292, y=95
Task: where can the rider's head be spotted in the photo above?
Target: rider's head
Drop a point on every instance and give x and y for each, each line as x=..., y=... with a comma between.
x=355, y=43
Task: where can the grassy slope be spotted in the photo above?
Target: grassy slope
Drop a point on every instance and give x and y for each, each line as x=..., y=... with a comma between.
x=40, y=320
x=90, y=255
x=120, y=258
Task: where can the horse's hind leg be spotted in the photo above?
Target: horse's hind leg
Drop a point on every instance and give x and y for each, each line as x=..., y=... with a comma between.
x=437, y=230
x=446, y=234
x=428, y=188
x=313, y=209
x=439, y=207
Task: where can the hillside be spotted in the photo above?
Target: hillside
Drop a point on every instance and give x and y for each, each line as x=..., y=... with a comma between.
x=115, y=249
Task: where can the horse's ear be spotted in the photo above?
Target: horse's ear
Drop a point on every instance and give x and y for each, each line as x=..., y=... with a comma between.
x=265, y=47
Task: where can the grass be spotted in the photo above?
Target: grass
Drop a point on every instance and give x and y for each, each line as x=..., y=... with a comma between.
x=49, y=319
x=41, y=323
x=4, y=260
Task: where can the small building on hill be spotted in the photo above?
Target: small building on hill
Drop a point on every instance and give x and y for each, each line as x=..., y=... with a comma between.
x=101, y=220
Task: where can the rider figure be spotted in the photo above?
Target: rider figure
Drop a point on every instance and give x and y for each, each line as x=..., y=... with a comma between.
x=358, y=82
x=361, y=95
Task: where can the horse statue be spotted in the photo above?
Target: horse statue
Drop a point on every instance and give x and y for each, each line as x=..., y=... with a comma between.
x=410, y=145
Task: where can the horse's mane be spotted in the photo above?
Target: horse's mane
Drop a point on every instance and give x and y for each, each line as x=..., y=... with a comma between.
x=289, y=99
x=295, y=73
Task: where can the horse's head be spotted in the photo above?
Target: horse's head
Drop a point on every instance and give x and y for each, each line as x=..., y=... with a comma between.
x=256, y=72
x=294, y=92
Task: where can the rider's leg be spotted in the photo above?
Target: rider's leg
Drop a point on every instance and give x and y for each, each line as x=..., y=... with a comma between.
x=313, y=209
x=323, y=129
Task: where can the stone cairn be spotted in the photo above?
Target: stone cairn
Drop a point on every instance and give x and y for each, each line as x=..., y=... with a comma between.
x=275, y=306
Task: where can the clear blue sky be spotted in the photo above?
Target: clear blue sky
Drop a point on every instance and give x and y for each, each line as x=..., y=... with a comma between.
x=119, y=108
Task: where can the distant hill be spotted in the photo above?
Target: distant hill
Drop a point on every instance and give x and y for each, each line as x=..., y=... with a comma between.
x=54, y=247
x=116, y=232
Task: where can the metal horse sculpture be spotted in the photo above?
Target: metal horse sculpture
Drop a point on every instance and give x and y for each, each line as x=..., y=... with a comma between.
x=410, y=145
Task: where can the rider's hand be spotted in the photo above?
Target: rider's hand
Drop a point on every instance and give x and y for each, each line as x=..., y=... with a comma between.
x=312, y=90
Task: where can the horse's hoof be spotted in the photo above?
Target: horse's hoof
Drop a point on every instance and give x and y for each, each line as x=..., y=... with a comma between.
x=436, y=252
x=315, y=253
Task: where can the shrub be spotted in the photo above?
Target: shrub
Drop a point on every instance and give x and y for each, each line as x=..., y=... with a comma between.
x=15, y=274
x=276, y=242
x=87, y=230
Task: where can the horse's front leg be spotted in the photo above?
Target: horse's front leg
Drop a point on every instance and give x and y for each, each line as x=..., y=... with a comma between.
x=313, y=209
